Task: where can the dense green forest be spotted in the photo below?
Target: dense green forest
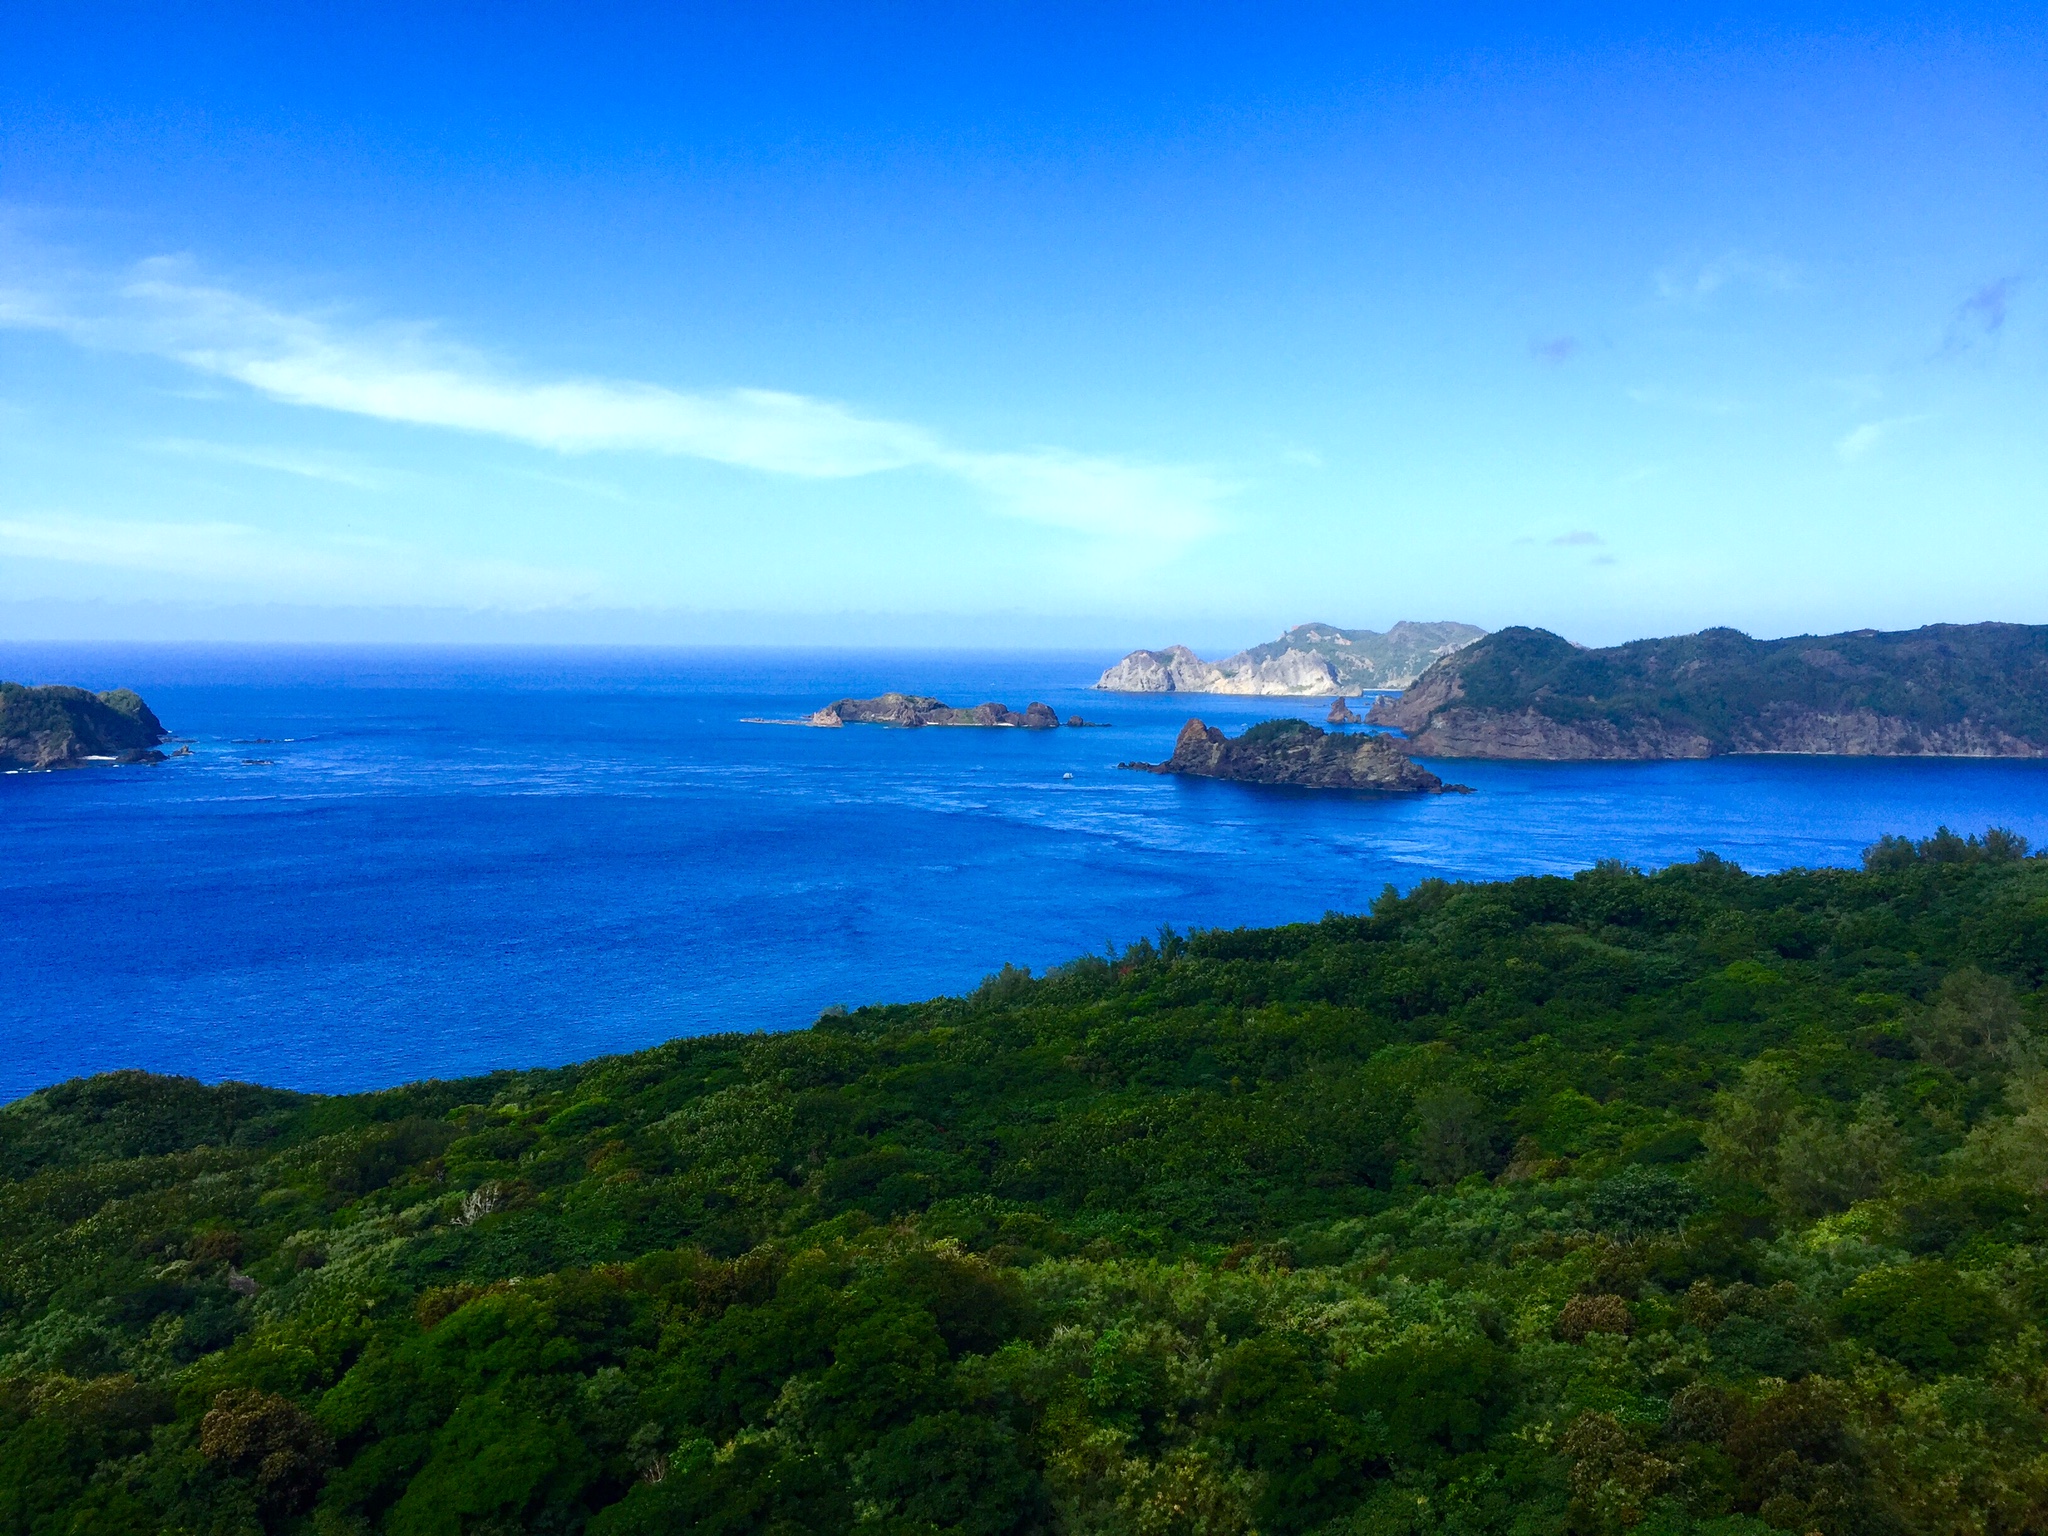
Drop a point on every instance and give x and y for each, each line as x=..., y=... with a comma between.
x=1720, y=683
x=60, y=727
x=1692, y=1201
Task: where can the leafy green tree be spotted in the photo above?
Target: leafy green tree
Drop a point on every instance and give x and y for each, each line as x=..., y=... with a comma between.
x=1220, y=1233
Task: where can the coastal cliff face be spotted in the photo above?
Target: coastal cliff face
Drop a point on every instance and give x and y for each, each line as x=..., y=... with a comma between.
x=1173, y=670
x=1179, y=670
x=1310, y=660
x=913, y=709
x=1949, y=690
x=1295, y=752
x=59, y=727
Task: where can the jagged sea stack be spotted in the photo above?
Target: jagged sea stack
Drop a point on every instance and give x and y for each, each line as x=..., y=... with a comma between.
x=1295, y=752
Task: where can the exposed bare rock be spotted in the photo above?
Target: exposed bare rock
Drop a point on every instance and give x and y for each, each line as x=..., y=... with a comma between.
x=1341, y=712
x=1173, y=670
x=1308, y=660
x=1295, y=752
x=912, y=709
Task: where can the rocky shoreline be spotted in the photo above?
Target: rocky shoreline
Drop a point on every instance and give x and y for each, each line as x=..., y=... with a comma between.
x=911, y=709
x=1294, y=752
x=1310, y=660
x=42, y=729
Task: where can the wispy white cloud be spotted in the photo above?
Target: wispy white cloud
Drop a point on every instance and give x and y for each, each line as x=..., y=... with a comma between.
x=412, y=375
x=1858, y=441
x=282, y=461
x=582, y=485
x=274, y=566
x=1695, y=281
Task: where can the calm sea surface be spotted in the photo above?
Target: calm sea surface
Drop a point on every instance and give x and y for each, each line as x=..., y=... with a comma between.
x=435, y=862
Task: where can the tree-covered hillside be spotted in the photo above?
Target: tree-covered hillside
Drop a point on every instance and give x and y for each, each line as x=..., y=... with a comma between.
x=1684, y=1202
x=1968, y=689
x=60, y=727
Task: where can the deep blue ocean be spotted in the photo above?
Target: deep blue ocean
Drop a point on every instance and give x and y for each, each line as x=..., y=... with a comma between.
x=385, y=864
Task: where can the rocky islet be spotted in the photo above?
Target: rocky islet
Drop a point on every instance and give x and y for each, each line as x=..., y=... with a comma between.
x=1289, y=751
x=911, y=709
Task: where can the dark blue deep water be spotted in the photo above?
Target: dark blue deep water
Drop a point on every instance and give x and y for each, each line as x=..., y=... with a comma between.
x=445, y=861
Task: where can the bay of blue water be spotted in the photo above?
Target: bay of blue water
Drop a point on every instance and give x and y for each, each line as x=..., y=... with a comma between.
x=437, y=862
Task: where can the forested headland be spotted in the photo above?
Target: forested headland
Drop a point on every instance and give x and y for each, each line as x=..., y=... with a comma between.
x=60, y=727
x=1945, y=690
x=1691, y=1201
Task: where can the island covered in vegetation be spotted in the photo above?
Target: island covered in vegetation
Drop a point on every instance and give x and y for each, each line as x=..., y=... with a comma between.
x=1692, y=1201
x=60, y=727
x=1964, y=690
x=1288, y=751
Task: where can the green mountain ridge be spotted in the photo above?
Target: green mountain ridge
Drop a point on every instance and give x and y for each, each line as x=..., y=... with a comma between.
x=1685, y=1202
x=1973, y=690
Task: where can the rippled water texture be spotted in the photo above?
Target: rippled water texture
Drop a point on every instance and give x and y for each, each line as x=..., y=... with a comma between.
x=452, y=861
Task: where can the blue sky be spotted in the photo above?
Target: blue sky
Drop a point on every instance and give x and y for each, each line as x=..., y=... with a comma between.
x=1022, y=324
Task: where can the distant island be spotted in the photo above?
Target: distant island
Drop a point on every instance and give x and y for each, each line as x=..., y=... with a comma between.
x=911, y=709
x=1311, y=660
x=1948, y=690
x=60, y=727
x=1295, y=752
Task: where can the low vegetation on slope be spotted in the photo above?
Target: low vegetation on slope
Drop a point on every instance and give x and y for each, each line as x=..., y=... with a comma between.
x=60, y=727
x=1959, y=689
x=1684, y=1202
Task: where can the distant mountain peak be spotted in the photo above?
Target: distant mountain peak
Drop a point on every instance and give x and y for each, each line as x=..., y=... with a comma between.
x=1310, y=660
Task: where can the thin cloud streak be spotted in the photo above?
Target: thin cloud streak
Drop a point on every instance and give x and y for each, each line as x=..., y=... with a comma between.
x=238, y=555
x=1858, y=441
x=305, y=466
x=408, y=375
x=1690, y=284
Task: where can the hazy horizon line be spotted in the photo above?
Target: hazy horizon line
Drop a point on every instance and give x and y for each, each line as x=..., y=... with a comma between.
x=65, y=621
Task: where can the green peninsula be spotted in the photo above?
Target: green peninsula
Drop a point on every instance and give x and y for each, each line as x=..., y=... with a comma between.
x=59, y=727
x=1960, y=690
x=1688, y=1202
